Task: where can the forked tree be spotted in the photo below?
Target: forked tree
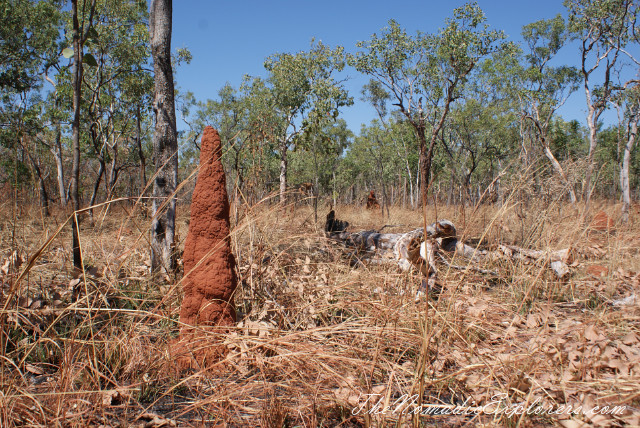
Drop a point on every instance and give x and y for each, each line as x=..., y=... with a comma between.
x=425, y=74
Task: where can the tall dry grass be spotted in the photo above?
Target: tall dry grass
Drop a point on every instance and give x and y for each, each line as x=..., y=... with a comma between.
x=322, y=341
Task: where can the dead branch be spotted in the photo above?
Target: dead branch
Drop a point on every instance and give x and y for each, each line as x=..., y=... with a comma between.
x=422, y=251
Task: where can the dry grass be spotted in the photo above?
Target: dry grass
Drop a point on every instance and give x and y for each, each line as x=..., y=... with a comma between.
x=316, y=335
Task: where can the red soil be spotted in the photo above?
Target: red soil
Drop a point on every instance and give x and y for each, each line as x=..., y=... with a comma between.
x=597, y=271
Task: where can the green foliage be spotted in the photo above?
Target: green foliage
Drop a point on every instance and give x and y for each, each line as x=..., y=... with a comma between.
x=302, y=89
x=421, y=72
x=542, y=87
x=28, y=32
x=461, y=95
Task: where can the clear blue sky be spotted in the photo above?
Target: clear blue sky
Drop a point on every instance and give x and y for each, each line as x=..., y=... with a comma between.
x=229, y=39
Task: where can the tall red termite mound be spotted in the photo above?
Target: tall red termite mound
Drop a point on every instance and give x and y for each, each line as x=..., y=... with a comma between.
x=602, y=222
x=372, y=202
x=209, y=265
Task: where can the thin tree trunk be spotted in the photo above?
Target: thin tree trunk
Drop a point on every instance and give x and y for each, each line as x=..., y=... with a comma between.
x=624, y=171
x=96, y=187
x=44, y=196
x=113, y=172
x=333, y=193
x=593, y=142
x=410, y=179
x=165, y=144
x=143, y=165
x=283, y=173
x=56, y=150
x=558, y=168
x=75, y=133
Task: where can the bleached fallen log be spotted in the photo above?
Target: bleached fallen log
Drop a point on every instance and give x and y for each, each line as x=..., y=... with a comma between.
x=558, y=260
x=419, y=250
x=405, y=247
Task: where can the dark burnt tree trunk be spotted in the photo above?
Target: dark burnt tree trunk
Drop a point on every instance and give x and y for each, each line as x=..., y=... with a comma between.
x=80, y=31
x=165, y=145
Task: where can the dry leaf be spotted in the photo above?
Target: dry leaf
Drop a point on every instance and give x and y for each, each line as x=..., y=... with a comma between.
x=34, y=369
x=630, y=339
x=156, y=421
x=592, y=335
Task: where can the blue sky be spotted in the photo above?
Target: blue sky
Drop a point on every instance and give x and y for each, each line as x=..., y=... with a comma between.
x=229, y=39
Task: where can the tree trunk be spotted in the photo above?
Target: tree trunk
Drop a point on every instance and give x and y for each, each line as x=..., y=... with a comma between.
x=283, y=173
x=558, y=168
x=165, y=144
x=96, y=187
x=333, y=192
x=44, y=197
x=113, y=173
x=56, y=150
x=593, y=142
x=624, y=171
x=412, y=201
x=425, y=166
x=143, y=165
x=75, y=133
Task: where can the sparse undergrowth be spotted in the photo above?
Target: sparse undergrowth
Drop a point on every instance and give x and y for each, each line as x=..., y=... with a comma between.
x=316, y=334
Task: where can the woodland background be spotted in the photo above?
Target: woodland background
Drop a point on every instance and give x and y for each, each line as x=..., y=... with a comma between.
x=467, y=128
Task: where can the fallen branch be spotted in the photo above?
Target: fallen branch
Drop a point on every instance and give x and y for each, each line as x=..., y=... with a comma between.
x=419, y=250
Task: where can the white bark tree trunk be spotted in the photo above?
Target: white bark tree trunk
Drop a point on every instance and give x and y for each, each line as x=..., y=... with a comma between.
x=624, y=171
x=283, y=173
x=558, y=168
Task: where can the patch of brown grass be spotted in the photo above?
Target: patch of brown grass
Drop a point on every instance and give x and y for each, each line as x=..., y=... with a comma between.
x=321, y=343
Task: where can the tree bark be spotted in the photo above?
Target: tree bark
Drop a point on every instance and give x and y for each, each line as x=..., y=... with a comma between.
x=113, y=172
x=558, y=168
x=283, y=173
x=593, y=143
x=624, y=171
x=75, y=132
x=96, y=187
x=56, y=150
x=143, y=165
x=165, y=144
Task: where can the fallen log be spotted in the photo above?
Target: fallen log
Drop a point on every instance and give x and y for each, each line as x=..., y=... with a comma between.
x=422, y=250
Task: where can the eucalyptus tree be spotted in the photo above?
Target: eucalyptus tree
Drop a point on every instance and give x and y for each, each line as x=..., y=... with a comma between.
x=542, y=88
x=302, y=90
x=630, y=103
x=317, y=154
x=29, y=33
x=263, y=134
x=116, y=86
x=81, y=30
x=378, y=97
x=425, y=74
x=165, y=143
x=604, y=30
x=229, y=115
